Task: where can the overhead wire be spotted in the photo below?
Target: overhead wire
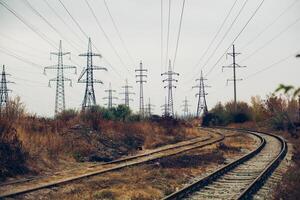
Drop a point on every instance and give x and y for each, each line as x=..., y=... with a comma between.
x=118, y=32
x=224, y=36
x=272, y=65
x=106, y=36
x=63, y=21
x=178, y=34
x=237, y=36
x=84, y=33
x=30, y=26
x=168, y=35
x=161, y=36
x=272, y=39
x=9, y=53
x=216, y=35
x=51, y=26
x=270, y=24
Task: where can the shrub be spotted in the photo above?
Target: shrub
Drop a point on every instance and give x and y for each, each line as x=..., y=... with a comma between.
x=92, y=115
x=67, y=115
x=121, y=112
x=105, y=194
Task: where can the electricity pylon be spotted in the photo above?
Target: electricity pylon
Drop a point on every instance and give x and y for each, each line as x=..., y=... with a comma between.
x=201, y=105
x=110, y=97
x=141, y=80
x=234, y=65
x=89, y=95
x=164, y=107
x=127, y=93
x=185, y=107
x=169, y=79
x=149, y=108
x=3, y=89
x=60, y=79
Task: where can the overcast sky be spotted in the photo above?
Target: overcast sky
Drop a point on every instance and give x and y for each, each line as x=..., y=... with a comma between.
x=139, y=23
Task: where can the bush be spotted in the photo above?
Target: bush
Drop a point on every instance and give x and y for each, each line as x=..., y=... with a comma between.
x=222, y=115
x=211, y=119
x=12, y=156
x=67, y=115
x=92, y=115
x=104, y=194
x=121, y=112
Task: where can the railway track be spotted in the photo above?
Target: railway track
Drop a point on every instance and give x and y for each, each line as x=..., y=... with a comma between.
x=242, y=178
x=31, y=184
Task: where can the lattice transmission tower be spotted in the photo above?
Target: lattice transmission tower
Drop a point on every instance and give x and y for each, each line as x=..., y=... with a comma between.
x=60, y=102
x=127, y=93
x=141, y=80
x=186, y=107
x=4, y=89
x=149, y=108
x=89, y=80
x=110, y=97
x=164, y=108
x=234, y=65
x=201, y=105
x=170, y=80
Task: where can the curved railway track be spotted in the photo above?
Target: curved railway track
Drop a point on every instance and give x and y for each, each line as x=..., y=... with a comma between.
x=242, y=178
x=32, y=184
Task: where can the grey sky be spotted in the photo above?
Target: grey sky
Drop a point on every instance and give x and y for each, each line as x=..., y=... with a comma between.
x=139, y=24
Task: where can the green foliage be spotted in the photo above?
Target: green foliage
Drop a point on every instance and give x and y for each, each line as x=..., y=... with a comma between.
x=134, y=118
x=288, y=90
x=95, y=114
x=223, y=115
x=121, y=112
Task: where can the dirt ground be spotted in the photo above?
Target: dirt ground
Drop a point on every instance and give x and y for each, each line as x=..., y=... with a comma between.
x=152, y=180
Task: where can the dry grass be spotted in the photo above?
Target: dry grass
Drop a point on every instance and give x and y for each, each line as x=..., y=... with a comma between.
x=149, y=181
x=52, y=145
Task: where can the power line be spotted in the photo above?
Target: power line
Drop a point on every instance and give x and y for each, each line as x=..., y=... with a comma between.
x=22, y=43
x=161, y=36
x=216, y=35
x=270, y=24
x=63, y=21
x=30, y=26
x=178, y=34
x=224, y=36
x=238, y=35
x=36, y=12
x=271, y=65
x=118, y=31
x=168, y=34
x=272, y=39
x=106, y=36
x=6, y=51
x=84, y=33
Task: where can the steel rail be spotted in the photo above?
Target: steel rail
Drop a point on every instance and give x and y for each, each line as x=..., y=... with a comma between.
x=120, y=165
x=254, y=186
